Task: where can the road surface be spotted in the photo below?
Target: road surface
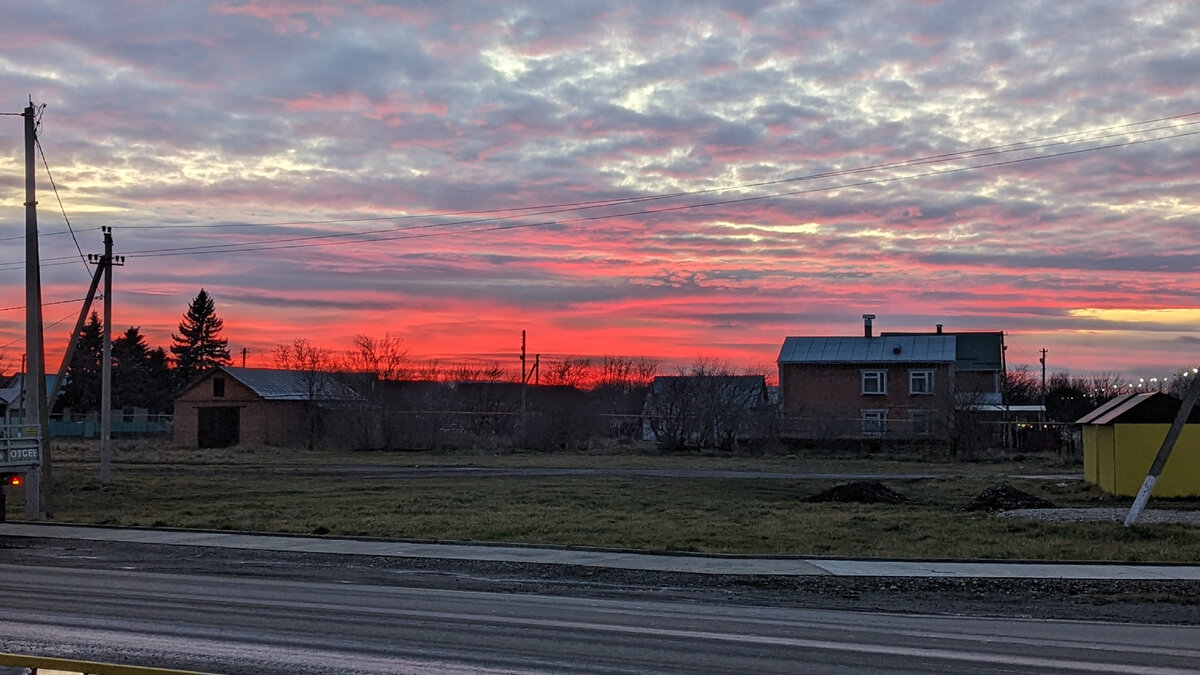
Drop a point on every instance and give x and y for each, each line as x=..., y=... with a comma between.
x=236, y=623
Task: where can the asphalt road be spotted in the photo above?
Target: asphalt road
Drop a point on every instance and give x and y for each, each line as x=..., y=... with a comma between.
x=237, y=623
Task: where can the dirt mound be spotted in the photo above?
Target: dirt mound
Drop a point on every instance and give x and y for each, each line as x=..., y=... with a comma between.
x=1005, y=497
x=863, y=492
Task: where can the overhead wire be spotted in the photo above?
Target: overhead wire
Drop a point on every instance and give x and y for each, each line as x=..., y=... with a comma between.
x=63, y=209
x=1032, y=144
x=522, y=212
x=332, y=239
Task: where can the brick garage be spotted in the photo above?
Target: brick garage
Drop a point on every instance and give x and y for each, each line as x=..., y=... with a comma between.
x=252, y=406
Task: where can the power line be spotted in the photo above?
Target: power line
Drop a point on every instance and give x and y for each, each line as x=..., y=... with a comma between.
x=62, y=208
x=45, y=304
x=1032, y=144
x=405, y=232
x=401, y=233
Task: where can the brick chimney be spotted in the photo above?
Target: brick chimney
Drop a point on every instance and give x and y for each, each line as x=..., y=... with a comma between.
x=867, y=324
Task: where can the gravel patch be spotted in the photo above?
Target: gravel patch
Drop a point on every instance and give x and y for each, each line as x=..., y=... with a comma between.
x=1087, y=515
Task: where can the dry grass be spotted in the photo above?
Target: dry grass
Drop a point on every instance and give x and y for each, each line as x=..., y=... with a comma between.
x=243, y=490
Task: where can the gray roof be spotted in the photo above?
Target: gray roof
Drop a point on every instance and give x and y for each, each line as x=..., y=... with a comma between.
x=1112, y=408
x=290, y=385
x=884, y=349
x=1146, y=408
x=976, y=350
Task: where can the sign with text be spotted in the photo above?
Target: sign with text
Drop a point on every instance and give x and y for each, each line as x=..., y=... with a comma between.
x=20, y=446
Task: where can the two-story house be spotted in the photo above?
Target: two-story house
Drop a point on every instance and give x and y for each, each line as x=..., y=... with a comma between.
x=896, y=385
x=856, y=387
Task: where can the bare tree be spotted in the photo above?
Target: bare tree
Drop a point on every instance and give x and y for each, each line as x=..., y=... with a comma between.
x=571, y=372
x=708, y=405
x=313, y=363
x=370, y=363
x=1021, y=387
x=384, y=357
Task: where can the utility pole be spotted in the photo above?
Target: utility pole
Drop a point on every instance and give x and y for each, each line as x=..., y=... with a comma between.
x=39, y=484
x=1164, y=451
x=244, y=352
x=107, y=261
x=524, y=379
x=1043, y=361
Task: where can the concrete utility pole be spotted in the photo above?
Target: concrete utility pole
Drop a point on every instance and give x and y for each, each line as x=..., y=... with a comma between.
x=107, y=261
x=1164, y=452
x=38, y=484
x=73, y=343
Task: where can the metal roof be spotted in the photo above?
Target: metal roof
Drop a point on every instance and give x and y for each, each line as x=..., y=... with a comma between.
x=1108, y=406
x=883, y=349
x=290, y=385
x=1148, y=408
x=976, y=350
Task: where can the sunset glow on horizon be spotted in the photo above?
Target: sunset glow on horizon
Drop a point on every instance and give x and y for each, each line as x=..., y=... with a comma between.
x=665, y=180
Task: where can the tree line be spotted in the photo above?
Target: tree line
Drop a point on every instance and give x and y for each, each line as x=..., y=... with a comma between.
x=143, y=376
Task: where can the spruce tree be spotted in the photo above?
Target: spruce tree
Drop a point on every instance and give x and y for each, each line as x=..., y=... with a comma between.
x=82, y=390
x=140, y=375
x=199, y=345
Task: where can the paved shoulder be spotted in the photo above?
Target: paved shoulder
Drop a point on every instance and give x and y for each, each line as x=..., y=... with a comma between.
x=586, y=557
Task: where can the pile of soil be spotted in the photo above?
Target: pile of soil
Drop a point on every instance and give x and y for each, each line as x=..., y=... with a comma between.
x=863, y=492
x=1005, y=497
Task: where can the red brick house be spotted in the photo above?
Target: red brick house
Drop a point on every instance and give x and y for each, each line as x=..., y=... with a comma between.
x=895, y=385
x=256, y=406
x=866, y=387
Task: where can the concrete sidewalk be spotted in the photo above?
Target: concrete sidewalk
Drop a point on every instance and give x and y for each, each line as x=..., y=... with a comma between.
x=699, y=564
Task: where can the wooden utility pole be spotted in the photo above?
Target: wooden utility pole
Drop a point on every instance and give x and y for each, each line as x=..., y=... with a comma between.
x=1043, y=362
x=39, y=483
x=524, y=379
x=1164, y=452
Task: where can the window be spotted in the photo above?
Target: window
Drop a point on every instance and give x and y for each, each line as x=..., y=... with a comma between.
x=920, y=381
x=218, y=387
x=921, y=421
x=874, y=422
x=874, y=381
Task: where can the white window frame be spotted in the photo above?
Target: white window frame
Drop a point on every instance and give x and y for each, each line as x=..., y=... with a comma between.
x=924, y=375
x=874, y=422
x=921, y=422
x=878, y=378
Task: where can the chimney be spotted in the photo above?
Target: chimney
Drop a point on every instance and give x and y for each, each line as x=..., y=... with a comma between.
x=867, y=324
x=939, y=329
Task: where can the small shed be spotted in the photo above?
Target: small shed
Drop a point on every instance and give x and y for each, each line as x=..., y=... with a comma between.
x=1122, y=437
x=230, y=406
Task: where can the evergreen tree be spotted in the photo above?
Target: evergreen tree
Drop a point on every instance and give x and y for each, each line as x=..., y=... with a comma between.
x=199, y=345
x=82, y=391
x=140, y=377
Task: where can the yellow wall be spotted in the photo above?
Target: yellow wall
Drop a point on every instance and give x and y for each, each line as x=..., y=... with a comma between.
x=1116, y=458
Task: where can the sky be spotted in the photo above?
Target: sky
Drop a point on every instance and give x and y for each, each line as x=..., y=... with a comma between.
x=674, y=180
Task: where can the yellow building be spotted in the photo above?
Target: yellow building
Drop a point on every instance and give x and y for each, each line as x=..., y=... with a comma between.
x=1122, y=437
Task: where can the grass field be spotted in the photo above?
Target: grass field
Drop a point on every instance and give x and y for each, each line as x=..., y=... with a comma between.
x=257, y=490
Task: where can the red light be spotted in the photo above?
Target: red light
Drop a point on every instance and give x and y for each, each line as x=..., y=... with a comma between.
x=16, y=481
